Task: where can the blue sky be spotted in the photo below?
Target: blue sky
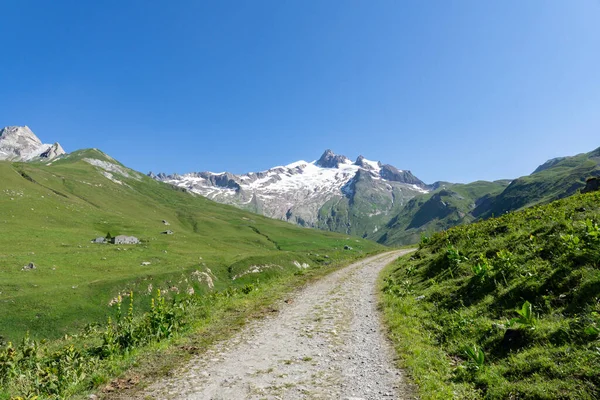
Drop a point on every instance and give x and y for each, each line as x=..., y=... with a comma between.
x=452, y=90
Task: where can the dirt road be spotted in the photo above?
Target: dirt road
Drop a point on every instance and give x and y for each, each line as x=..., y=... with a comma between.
x=327, y=343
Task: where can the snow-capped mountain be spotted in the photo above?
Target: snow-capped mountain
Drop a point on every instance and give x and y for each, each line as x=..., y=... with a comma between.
x=19, y=143
x=331, y=193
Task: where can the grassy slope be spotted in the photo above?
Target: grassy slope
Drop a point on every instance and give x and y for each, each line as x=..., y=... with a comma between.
x=462, y=289
x=558, y=180
x=50, y=214
x=446, y=207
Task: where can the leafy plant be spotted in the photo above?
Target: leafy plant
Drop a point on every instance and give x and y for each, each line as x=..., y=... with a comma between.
x=481, y=268
x=8, y=358
x=571, y=242
x=592, y=229
x=247, y=289
x=398, y=288
x=475, y=355
x=454, y=259
x=594, y=328
x=525, y=317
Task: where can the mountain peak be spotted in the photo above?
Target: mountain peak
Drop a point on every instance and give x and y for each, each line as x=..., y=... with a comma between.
x=331, y=160
x=367, y=164
x=19, y=143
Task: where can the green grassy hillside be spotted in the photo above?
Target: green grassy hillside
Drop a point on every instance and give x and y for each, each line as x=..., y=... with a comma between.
x=449, y=205
x=455, y=204
x=507, y=308
x=553, y=180
x=50, y=213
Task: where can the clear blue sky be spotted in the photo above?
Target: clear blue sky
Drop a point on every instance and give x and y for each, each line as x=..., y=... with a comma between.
x=452, y=90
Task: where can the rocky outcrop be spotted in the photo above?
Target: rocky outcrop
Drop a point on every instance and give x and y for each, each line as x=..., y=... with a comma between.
x=366, y=164
x=591, y=185
x=19, y=143
x=392, y=173
x=331, y=160
x=330, y=193
x=54, y=151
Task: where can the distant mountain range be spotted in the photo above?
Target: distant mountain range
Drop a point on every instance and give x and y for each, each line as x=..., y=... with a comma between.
x=365, y=198
x=380, y=202
x=331, y=193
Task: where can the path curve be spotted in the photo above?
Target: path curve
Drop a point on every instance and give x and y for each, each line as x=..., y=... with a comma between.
x=327, y=343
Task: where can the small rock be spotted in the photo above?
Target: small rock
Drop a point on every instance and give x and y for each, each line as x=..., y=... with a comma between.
x=29, y=266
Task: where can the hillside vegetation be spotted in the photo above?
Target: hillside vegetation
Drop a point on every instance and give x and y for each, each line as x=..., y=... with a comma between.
x=89, y=312
x=50, y=213
x=553, y=180
x=447, y=206
x=455, y=204
x=507, y=308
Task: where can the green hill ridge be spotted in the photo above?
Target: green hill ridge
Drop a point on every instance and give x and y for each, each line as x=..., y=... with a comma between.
x=454, y=204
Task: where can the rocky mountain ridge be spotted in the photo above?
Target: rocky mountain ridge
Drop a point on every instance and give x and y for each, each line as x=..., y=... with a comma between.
x=19, y=143
x=364, y=198
x=331, y=193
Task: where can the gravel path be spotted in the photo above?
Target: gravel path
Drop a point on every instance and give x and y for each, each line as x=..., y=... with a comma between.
x=326, y=343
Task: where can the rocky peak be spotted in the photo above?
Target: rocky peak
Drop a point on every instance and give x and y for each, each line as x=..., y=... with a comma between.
x=19, y=143
x=366, y=164
x=53, y=151
x=392, y=173
x=331, y=160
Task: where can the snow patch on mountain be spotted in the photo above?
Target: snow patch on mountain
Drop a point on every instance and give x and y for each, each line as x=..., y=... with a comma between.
x=297, y=191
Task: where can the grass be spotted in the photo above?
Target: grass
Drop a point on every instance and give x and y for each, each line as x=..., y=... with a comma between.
x=504, y=308
x=233, y=262
x=128, y=353
x=450, y=205
x=455, y=204
x=51, y=212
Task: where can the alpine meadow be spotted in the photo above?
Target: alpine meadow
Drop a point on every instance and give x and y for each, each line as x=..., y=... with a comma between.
x=300, y=200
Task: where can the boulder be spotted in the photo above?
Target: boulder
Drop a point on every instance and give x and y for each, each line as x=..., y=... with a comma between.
x=591, y=185
x=122, y=239
x=29, y=267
